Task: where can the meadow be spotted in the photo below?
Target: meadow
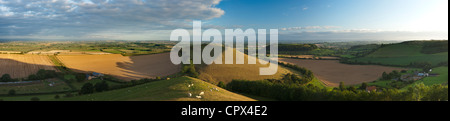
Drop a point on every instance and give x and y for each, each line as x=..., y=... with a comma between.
x=166, y=90
x=403, y=54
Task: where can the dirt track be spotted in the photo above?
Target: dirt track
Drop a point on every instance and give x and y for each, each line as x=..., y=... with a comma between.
x=331, y=72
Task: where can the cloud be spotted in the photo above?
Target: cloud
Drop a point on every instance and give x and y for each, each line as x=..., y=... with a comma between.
x=74, y=18
x=308, y=28
x=361, y=35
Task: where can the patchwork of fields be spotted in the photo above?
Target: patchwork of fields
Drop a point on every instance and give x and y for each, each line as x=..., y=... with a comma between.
x=123, y=67
x=402, y=55
x=21, y=66
x=331, y=72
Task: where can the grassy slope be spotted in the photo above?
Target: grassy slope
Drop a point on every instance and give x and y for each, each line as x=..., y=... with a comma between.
x=169, y=90
x=403, y=54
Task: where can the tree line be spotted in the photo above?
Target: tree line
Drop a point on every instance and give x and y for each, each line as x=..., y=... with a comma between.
x=295, y=92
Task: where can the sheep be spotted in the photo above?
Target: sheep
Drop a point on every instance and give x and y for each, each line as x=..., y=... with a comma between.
x=199, y=97
x=202, y=93
x=190, y=94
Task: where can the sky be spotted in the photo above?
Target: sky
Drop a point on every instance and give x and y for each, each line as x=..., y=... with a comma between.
x=155, y=19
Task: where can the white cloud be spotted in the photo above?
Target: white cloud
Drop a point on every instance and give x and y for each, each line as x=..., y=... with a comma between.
x=308, y=28
x=78, y=17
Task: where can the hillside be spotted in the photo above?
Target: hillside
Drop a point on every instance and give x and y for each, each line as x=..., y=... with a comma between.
x=168, y=90
x=405, y=53
x=227, y=72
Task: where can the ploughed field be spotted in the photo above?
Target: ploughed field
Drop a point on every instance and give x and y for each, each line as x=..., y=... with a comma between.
x=21, y=66
x=123, y=67
x=331, y=72
x=215, y=73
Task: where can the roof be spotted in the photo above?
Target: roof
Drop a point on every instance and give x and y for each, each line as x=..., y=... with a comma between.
x=371, y=88
x=97, y=74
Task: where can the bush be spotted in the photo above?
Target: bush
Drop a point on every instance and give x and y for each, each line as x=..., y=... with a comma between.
x=6, y=78
x=221, y=85
x=87, y=88
x=57, y=97
x=102, y=86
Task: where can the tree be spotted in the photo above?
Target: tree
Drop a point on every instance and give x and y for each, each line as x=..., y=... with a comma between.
x=80, y=77
x=342, y=86
x=6, y=78
x=87, y=88
x=364, y=86
x=12, y=92
x=33, y=77
x=385, y=76
x=57, y=97
x=221, y=85
x=102, y=86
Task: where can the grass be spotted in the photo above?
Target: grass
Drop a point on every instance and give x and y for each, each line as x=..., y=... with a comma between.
x=429, y=81
x=168, y=90
x=28, y=98
x=41, y=87
x=402, y=55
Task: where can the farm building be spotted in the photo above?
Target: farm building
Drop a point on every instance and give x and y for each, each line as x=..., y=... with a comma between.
x=371, y=89
x=94, y=75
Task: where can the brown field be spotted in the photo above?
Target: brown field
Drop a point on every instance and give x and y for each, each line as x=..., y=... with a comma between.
x=123, y=67
x=331, y=72
x=227, y=72
x=21, y=66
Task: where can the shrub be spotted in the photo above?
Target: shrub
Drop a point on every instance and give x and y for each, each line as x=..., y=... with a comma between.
x=87, y=88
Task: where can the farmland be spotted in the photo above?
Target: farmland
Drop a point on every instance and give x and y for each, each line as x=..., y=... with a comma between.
x=331, y=72
x=167, y=90
x=21, y=66
x=403, y=54
x=227, y=72
x=122, y=67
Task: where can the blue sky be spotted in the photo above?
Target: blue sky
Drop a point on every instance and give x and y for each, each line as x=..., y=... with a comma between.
x=155, y=19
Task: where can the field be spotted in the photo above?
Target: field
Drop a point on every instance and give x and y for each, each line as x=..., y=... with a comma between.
x=402, y=55
x=331, y=72
x=122, y=67
x=442, y=78
x=227, y=72
x=38, y=87
x=168, y=90
x=21, y=66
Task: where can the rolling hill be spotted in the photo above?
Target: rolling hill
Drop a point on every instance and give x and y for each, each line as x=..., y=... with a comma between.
x=168, y=90
x=227, y=72
x=405, y=53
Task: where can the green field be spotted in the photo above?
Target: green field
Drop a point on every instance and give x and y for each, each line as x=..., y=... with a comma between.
x=429, y=81
x=402, y=55
x=41, y=87
x=175, y=89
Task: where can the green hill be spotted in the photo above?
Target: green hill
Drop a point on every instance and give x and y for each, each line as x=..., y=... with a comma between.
x=403, y=54
x=168, y=90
